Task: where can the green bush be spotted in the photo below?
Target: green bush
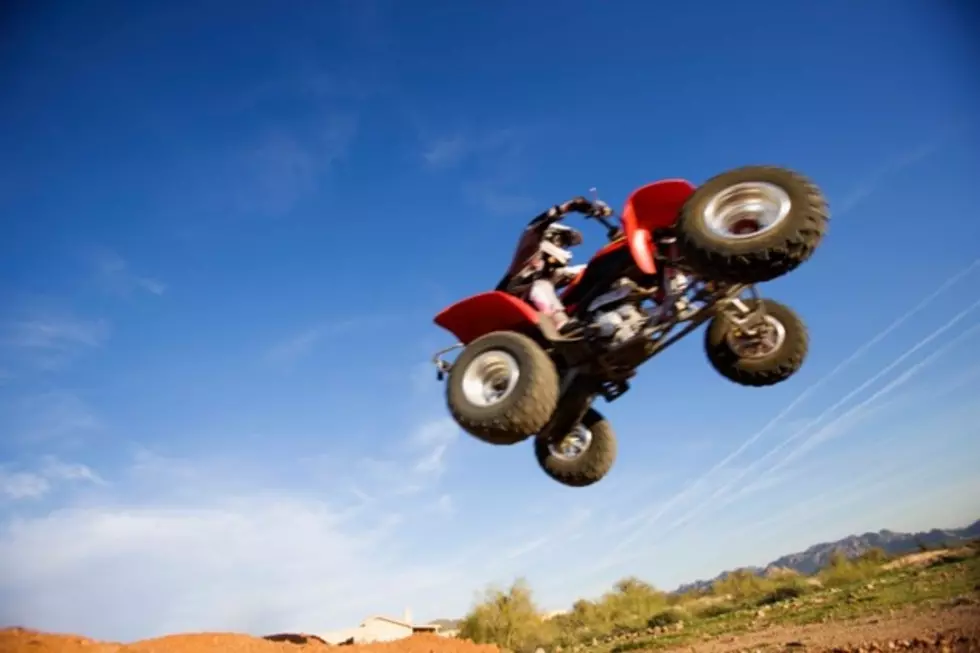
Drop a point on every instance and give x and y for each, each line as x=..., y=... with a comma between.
x=627, y=607
x=714, y=610
x=842, y=571
x=665, y=618
x=783, y=593
x=875, y=556
x=508, y=619
x=741, y=584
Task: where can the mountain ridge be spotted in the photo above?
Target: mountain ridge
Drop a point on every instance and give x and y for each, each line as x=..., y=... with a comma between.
x=815, y=557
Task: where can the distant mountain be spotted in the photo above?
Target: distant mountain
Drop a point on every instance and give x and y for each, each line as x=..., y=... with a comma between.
x=445, y=624
x=817, y=556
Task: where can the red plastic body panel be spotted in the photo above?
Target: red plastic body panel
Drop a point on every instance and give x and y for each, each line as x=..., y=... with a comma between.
x=649, y=208
x=481, y=314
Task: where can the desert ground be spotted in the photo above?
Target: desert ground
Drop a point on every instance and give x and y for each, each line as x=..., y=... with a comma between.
x=924, y=602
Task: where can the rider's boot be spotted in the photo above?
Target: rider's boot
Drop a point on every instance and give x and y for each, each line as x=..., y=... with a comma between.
x=566, y=325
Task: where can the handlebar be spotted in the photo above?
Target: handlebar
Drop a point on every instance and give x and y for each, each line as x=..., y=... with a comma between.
x=597, y=210
x=600, y=211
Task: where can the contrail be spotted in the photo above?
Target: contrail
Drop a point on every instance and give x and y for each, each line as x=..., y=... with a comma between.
x=649, y=520
x=882, y=372
x=905, y=376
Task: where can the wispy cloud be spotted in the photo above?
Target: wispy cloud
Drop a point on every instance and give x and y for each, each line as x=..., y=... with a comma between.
x=55, y=333
x=491, y=159
x=270, y=173
x=294, y=347
x=35, y=484
x=223, y=560
x=497, y=199
x=442, y=148
x=49, y=416
x=900, y=162
x=432, y=440
x=23, y=485
x=281, y=168
x=50, y=339
x=114, y=275
x=445, y=152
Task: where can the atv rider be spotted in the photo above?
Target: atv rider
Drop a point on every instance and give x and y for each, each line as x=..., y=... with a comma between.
x=540, y=264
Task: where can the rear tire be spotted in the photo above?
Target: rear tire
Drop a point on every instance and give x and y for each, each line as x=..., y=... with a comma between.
x=721, y=237
x=502, y=388
x=727, y=352
x=588, y=467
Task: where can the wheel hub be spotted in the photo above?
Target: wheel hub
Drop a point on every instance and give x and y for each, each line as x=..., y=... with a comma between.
x=759, y=341
x=572, y=445
x=747, y=209
x=490, y=378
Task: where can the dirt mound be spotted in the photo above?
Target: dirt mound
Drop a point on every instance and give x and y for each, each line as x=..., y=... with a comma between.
x=928, y=557
x=20, y=640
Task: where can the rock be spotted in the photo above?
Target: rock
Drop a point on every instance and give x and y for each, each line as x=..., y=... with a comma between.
x=794, y=644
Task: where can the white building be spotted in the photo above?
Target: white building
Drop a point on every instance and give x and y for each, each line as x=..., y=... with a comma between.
x=379, y=629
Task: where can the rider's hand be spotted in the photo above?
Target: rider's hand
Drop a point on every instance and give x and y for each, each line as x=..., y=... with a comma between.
x=600, y=209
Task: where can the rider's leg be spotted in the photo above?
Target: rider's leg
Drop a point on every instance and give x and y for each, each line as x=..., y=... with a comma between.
x=544, y=298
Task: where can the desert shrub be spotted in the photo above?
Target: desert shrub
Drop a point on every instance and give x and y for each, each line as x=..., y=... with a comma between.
x=508, y=619
x=665, y=618
x=627, y=607
x=874, y=556
x=783, y=593
x=741, y=584
x=712, y=610
x=842, y=571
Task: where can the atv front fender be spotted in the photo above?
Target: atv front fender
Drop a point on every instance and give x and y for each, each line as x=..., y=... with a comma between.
x=481, y=314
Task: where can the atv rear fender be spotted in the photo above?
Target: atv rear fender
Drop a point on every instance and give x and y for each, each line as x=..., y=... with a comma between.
x=481, y=314
x=649, y=208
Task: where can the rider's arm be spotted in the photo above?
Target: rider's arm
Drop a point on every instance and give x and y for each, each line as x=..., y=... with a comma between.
x=559, y=211
x=565, y=275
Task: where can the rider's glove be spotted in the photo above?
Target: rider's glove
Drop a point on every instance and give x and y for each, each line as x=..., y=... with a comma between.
x=600, y=209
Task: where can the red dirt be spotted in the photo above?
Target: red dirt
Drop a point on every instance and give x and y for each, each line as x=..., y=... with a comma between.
x=19, y=640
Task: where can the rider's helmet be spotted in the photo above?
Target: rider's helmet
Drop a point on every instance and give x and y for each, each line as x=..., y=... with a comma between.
x=562, y=235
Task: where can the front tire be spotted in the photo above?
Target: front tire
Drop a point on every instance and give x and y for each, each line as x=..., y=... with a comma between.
x=502, y=388
x=582, y=457
x=751, y=225
x=771, y=357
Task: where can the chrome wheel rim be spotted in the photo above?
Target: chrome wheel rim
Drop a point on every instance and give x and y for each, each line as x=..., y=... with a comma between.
x=573, y=445
x=490, y=378
x=746, y=210
x=759, y=342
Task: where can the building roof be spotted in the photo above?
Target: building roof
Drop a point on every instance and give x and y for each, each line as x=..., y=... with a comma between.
x=378, y=617
x=401, y=622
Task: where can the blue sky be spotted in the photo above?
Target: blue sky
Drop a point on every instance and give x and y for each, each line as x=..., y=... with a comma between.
x=227, y=227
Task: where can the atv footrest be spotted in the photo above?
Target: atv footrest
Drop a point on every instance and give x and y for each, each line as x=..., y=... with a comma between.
x=613, y=390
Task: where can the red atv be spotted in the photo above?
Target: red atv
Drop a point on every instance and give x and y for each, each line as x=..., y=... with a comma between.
x=684, y=255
